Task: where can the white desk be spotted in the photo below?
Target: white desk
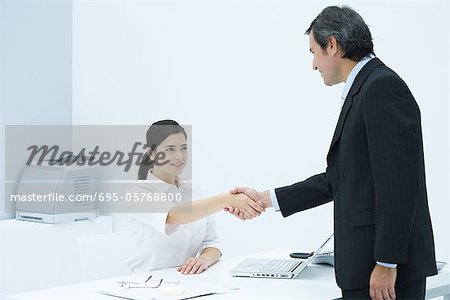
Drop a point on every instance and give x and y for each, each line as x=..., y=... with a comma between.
x=315, y=282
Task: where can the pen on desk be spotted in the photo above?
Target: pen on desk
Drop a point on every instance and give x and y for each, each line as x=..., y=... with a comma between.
x=198, y=296
x=148, y=278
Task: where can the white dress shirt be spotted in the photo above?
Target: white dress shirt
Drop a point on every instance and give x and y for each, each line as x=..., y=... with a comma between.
x=160, y=245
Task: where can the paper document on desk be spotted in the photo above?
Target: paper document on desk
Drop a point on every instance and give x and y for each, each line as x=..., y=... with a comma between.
x=167, y=291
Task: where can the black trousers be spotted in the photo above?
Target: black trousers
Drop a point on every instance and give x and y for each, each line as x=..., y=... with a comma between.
x=406, y=290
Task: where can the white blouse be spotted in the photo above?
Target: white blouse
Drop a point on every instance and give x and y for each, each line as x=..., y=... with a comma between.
x=160, y=245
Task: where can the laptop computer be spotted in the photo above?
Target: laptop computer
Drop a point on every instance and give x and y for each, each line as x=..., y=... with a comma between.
x=274, y=268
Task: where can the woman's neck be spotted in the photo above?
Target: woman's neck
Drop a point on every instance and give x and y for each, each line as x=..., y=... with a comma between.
x=166, y=177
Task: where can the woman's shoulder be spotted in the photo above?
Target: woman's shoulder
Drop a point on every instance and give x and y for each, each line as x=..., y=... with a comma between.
x=141, y=186
x=192, y=187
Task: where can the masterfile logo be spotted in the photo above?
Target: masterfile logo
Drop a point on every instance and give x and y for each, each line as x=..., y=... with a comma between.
x=87, y=164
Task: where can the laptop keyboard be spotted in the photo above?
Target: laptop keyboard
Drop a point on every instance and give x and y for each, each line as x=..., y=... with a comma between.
x=277, y=265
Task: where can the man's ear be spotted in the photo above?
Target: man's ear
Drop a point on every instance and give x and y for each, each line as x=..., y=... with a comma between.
x=333, y=46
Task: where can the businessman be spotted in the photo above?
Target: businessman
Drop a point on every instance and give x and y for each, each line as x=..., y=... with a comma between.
x=384, y=247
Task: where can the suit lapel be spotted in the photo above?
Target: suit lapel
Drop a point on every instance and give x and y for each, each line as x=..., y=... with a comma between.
x=359, y=80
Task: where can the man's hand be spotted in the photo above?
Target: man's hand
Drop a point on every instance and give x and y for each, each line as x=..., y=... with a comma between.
x=261, y=198
x=242, y=203
x=382, y=283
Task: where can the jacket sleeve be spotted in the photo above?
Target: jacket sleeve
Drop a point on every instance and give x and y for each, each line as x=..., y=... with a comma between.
x=392, y=124
x=300, y=196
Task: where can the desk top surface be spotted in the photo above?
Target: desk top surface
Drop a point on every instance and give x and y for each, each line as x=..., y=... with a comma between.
x=315, y=282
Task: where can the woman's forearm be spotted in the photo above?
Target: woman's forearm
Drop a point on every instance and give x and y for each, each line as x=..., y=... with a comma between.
x=196, y=210
x=210, y=255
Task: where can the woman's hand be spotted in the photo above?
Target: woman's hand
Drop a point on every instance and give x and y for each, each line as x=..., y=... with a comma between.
x=245, y=207
x=261, y=198
x=196, y=265
x=193, y=265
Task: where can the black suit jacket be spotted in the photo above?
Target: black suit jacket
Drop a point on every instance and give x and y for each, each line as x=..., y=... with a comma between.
x=376, y=177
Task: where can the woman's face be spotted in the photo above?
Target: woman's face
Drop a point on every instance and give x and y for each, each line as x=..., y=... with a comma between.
x=174, y=148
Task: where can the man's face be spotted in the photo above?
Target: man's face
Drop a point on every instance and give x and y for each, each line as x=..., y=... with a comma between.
x=326, y=61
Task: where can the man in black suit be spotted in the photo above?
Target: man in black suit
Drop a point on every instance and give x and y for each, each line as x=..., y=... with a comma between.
x=384, y=246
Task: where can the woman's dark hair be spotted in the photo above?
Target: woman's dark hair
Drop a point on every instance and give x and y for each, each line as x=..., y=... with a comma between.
x=157, y=133
x=349, y=29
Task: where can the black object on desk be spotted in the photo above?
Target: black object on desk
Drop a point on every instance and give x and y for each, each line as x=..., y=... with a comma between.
x=301, y=255
x=326, y=258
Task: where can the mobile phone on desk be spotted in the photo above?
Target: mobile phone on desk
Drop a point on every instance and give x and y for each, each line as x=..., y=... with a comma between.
x=301, y=255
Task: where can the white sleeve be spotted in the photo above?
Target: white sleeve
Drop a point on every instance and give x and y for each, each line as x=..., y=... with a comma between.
x=161, y=226
x=197, y=192
x=211, y=239
x=154, y=220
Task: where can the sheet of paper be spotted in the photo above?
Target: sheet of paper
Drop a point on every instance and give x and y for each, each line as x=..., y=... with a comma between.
x=167, y=291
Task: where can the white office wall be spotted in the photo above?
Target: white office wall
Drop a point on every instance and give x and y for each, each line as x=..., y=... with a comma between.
x=3, y=214
x=35, y=88
x=36, y=68
x=240, y=73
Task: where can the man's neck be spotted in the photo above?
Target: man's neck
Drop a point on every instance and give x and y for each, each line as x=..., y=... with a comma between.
x=347, y=67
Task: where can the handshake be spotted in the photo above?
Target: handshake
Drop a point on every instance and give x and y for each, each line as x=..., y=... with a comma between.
x=246, y=203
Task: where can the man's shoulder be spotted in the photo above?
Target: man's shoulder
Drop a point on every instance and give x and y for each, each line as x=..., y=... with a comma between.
x=384, y=85
x=382, y=77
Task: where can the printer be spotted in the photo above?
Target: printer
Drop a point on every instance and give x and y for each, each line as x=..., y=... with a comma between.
x=55, y=193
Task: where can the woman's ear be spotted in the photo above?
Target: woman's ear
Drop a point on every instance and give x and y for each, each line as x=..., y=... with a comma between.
x=151, y=153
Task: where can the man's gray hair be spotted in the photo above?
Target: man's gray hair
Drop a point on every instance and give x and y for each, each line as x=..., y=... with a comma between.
x=349, y=29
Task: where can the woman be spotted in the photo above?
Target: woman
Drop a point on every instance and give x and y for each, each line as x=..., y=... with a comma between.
x=177, y=234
